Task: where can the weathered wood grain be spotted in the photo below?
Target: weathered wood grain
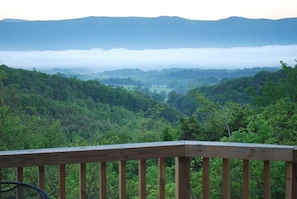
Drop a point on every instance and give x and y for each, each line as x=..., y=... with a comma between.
x=182, y=150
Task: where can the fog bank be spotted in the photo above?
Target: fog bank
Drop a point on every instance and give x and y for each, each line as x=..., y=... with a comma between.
x=98, y=60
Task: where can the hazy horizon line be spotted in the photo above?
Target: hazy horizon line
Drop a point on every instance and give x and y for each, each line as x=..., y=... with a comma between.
x=99, y=60
x=82, y=17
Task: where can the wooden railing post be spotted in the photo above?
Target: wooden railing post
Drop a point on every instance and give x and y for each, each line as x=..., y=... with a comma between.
x=205, y=178
x=182, y=150
x=294, y=174
x=182, y=178
x=122, y=179
x=41, y=177
x=291, y=180
x=103, y=180
x=294, y=183
x=20, y=178
x=226, y=179
x=246, y=179
x=83, y=181
x=142, y=178
x=0, y=180
x=161, y=178
x=266, y=179
x=62, y=181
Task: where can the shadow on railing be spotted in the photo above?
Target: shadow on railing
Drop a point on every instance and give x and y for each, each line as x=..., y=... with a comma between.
x=182, y=151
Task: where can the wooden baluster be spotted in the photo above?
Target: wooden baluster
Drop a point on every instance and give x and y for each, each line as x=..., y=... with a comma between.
x=83, y=181
x=246, y=179
x=205, y=183
x=289, y=180
x=182, y=178
x=62, y=181
x=0, y=180
x=103, y=180
x=122, y=179
x=161, y=178
x=294, y=178
x=20, y=178
x=41, y=178
x=142, y=178
x=266, y=179
x=226, y=179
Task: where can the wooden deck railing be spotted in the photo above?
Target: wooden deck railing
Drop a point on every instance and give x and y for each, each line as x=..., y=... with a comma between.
x=183, y=151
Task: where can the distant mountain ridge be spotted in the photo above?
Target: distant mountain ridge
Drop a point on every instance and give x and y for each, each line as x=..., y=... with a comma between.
x=144, y=33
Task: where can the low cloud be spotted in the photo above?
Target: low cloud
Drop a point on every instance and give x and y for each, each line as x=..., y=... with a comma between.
x=98, y=60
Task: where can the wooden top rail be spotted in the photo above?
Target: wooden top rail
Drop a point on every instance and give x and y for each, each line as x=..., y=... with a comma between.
x=245, y=151
x=105, y=153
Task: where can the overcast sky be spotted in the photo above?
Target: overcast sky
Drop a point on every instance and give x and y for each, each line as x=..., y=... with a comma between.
x=191, y=9
x=99, y=60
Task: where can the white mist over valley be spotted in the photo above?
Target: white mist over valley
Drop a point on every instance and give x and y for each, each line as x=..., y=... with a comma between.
x=96, y=44
x=98, y=60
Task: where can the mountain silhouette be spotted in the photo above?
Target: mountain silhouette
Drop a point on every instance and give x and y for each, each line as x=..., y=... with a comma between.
x=144, y=33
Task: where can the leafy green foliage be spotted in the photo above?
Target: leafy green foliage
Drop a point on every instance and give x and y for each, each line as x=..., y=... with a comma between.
x=39, y=111
x=86, y=109
x=273, y=123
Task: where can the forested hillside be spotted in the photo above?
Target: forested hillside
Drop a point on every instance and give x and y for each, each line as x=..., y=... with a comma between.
x=73, y=109
x=38, y=110
x=180, y=80
x=263, y=88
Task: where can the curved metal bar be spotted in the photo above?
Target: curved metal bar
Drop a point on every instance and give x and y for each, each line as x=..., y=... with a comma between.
x=17, y=184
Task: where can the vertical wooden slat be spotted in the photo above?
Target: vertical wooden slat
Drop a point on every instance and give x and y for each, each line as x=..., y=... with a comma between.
x=62, y=181
x=83, y=181
x=161, y=178
x=0, y=180
x=205, y=178
x=122, y=179
x=20, y=174
x=294, y=174
x=142, y=178
x=41, y=177
x=289, y=180
x=266, y=179
x=103, y=180
x=246, y=179
x=294, y=183
x=226, y=179
x=20, y=178
x=182, y=178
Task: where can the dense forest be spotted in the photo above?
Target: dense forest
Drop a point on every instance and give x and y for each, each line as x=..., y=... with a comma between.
x=39, y=110
x=180, y=80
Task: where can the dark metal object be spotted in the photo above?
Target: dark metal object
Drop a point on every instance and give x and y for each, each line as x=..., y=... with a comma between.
x=16, y=185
